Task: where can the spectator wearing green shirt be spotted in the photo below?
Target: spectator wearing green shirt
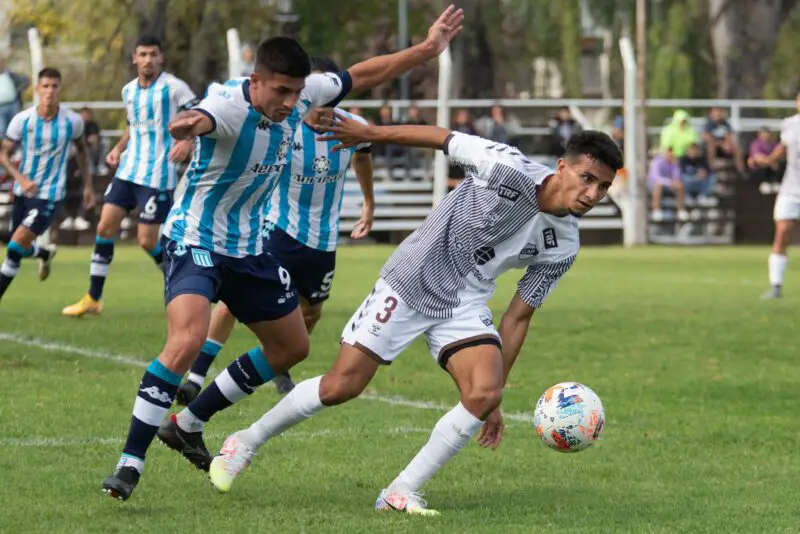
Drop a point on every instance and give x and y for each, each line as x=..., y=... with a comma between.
x=678, y=134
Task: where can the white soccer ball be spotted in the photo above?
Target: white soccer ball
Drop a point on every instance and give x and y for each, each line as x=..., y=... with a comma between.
x=569, y=417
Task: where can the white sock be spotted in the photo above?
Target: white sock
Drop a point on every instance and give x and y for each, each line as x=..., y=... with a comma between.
x=451, y=433
x=297, y=406
x=188, y=422
x=197, y=379
x=777, y=266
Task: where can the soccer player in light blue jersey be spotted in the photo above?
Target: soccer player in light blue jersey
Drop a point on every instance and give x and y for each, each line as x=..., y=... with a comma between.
x=45, y=133
x=212, y=238
x=302, y=231
x=145, y=158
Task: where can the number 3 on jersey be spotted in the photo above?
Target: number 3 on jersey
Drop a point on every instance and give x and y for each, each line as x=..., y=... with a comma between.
x=386, y=314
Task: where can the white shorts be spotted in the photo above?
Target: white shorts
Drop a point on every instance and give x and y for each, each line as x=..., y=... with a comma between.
x=384, y=326
x=787, y=208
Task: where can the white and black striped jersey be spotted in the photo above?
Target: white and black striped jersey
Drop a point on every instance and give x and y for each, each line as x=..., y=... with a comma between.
x=489, y=224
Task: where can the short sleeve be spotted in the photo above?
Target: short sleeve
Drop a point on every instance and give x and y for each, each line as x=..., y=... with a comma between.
x=77, y=125
x=789, y=131
x=219, y=105
x=541, y=279
x=14, y=130
x=327, y=89
x=183, y=94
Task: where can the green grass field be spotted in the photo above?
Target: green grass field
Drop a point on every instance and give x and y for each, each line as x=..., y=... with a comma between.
x=698, y=376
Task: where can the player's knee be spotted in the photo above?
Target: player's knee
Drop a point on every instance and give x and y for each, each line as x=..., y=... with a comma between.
x=336, y=389
x=311, y=317
x=106, y=230
x=482, y=399
x=147, y=242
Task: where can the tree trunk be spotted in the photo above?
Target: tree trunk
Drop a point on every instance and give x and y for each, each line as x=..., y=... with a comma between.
x=743, y=37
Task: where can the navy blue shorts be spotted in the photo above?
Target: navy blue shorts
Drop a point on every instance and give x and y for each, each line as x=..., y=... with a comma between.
x=35, y=214
x=311, y=269
x=154, y=205
x=255, y=288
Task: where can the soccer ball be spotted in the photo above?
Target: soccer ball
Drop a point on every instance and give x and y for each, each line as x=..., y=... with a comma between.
x=569, y=417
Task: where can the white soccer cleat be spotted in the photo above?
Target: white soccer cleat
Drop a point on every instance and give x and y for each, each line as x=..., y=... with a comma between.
x=410, y=503
x=233, y=458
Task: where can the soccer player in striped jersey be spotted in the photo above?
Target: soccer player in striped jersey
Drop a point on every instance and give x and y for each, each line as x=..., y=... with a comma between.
x=507, y=213
x=145, y=158
x=212, y=238
x=302, y=231
x=45, y=133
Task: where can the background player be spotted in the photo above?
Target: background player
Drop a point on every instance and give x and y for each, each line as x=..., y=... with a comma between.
x=302, y=231
x=45, y=133
x=145, y=159
x=787, y=203
x=507, y=213
x=212, y=237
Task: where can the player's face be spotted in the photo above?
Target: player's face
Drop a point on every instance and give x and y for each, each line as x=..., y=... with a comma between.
x=274, y=95
x=148, y=61
x=48, y=90
x=585, y=182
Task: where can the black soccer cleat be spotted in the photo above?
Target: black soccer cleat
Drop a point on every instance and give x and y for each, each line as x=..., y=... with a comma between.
x=121, y=484
x=283, y=383
x=187, y=393
x=189, y=444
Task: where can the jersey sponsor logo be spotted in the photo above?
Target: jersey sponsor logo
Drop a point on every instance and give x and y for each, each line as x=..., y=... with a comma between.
x=154, y=393
x=264, y=124
x=260, y=168
x=484, y=255
x=508, y=193
x=529, y=251
x=549, y=235
x=202, y=258
x=297, y=147
x=321, y=165
x=485, y=319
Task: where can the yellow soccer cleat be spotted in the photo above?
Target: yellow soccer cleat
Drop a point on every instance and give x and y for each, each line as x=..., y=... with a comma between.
x=409, y=503
x=233, y=458
x=86, y=306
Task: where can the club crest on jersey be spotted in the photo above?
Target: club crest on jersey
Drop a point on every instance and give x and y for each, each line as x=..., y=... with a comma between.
x=484, y=255
x=283, y=149
x=529, y=251
x=508, y=193
x=321, y=165
x=549, y=235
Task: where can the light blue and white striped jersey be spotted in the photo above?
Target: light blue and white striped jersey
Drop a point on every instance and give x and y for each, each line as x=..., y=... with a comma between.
x=308, y=199
x=219, y=205
x=149, y=111
x=45, y=148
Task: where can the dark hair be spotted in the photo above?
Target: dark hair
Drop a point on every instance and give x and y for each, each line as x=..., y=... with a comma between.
x=49, y=72
x=283, y=55
x=595, y=145
x=148, y=40
x=324, y=64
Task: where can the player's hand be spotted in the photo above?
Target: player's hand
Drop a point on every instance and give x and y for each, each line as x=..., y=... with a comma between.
x=446, y=27
x=364, y=224
x=112, y=159
x=340, y=127
x=88, y=198
x=29, y=188
x=181, y=126
x=492, y=432
x=180, y=151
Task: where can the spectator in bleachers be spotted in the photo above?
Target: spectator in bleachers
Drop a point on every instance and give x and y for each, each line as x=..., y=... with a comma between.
x=762, y=169
x=678, y=134
x=561, y=129
x=91, y=134
x=418, y=158
x=494, y=126
x=11, y=87
x=248, y=60
x=698, y=180
x=618, y=132
x=719, y=140
x=665, y=173
x=414, y=116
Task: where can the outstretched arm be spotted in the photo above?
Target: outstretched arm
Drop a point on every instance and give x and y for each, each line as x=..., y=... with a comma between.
x=351, y=132
x=380, y=69
x=190, y=124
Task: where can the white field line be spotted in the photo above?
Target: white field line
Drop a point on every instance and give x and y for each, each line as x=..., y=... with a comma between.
x=130, y=360
x=43, y=442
